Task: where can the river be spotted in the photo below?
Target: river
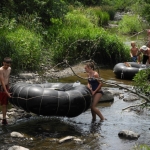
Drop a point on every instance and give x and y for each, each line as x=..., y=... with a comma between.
x=42, y=133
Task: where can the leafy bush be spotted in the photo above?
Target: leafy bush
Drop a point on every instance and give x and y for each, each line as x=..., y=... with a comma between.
x=76, y=18
x=45, y=9
x=31, y=22
x=23, y=46
x=142, y=82
x=88, y=43
x=78, y=37
x=103, y=18
x=130, y=24
x=146, y=12
x=97, y=16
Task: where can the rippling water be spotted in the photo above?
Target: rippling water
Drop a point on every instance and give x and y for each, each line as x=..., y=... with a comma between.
x=40, y=132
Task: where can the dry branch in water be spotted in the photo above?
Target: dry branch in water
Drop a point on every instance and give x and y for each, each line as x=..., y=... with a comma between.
x=108, y=83
x=117, y=85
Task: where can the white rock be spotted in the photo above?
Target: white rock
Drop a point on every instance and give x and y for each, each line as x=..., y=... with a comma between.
x=15, y=147
x=129, y=134
x=26, y=75
x=16, y=134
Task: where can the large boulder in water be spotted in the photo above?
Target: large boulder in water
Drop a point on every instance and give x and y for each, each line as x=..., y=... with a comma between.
x=107, y=97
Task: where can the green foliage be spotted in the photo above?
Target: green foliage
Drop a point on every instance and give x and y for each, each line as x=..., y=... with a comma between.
x=110, y=10
x=76, y=18
x=86, y=2
x=80, y=43
x=23, y=46
x=130, y=24
x=78, y=37
x=46, y=9
x=31, y=22
x=142, y=147
x=121, y=5
x=103, y=18
x=6, y=48
x=75, y=35
x=6, y=23
x=146, y=12
x=142, y=82
x=92, y=15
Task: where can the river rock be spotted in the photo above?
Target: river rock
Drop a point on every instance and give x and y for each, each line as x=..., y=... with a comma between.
x=16, y=134
x=118, y=16
x=15, y=147
x=128, y=134
x=121, y=96
x=107, y=97
x=131, y=97
x=26, y=75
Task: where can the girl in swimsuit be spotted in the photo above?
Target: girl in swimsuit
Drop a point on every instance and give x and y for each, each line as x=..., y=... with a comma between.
x=95, y=86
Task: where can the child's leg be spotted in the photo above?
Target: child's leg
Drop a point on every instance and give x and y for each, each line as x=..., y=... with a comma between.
x=93, y=115
x=139, y=59
x=4, y=110
x=93, y=107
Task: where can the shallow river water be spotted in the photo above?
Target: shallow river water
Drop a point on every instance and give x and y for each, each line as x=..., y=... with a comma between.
x=42, y=133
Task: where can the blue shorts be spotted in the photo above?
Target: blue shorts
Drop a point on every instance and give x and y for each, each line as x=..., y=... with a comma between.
x=134, y=59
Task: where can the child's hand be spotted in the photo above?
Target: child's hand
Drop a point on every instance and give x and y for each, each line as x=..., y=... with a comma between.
x=93, y=92
x=9, y=94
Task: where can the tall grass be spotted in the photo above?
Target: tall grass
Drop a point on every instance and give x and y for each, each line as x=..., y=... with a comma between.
x=79, y=37
x=130, y=24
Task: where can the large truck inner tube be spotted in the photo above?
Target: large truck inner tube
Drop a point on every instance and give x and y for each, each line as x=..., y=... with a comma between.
x=123, y=71
x=51, y=99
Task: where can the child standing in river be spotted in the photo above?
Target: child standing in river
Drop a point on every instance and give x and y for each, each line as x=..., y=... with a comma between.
x=134, y=53
x=95, y=86
x=4, y=86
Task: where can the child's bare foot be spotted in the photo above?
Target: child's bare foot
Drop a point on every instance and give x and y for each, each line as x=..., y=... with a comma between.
x=103, y=119
x=93, y=120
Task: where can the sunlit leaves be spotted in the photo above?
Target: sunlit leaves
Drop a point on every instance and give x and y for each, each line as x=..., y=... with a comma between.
x=142, y=82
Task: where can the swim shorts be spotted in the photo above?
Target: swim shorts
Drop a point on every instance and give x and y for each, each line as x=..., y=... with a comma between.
x=134, y=59
x=3, y=96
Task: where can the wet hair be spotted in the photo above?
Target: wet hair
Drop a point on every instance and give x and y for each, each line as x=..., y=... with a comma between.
x=90, y=64
x=7, y=60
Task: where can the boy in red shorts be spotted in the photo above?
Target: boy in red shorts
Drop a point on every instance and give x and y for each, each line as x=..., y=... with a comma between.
x=4, y=86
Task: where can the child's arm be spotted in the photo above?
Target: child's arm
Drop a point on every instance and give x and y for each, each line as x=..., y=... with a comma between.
x=131, y=53
x=3, y=84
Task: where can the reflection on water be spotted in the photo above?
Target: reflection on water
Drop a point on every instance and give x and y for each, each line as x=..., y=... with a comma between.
x=105, y=74
x=139, y=38
x=40, y=132
x=43, y=132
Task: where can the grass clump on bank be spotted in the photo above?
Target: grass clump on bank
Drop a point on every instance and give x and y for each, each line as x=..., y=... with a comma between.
x=130, y=24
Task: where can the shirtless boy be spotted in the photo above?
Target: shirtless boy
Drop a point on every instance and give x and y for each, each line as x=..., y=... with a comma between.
x=4, y=86
x=134, y=53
